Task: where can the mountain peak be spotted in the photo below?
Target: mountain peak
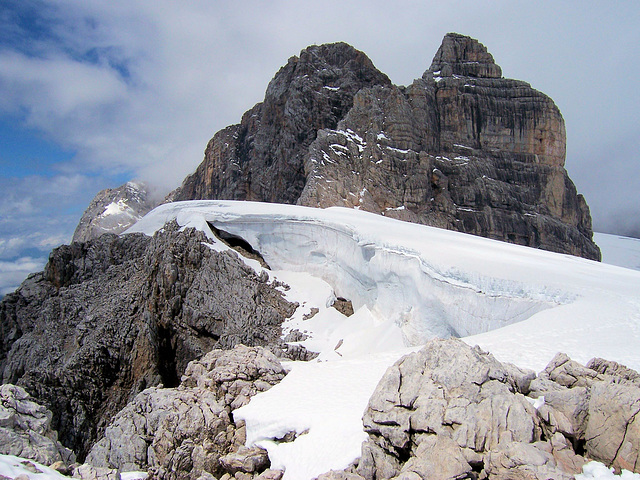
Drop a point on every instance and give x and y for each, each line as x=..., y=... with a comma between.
x=466, y=56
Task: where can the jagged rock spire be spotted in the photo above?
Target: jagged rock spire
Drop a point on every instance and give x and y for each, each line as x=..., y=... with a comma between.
x=462, y=55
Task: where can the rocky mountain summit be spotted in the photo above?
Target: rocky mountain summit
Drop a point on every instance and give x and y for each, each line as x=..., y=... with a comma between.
x=460, y=148
x=137, y=352
x=113, y=210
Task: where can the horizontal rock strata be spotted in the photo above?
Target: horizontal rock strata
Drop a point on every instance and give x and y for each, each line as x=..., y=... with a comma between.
x=460, y=148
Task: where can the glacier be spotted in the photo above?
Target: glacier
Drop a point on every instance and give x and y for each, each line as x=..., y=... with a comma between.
x=427, y=281
x=407, y=283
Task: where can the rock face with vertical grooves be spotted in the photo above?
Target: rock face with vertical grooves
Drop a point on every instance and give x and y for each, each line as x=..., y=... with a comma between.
x=262, y=158
x=113, y=316
x=460, y=148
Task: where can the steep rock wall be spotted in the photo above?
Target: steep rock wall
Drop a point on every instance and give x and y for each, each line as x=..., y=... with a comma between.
x=262, y=157
x=111, y=317
x=461, y=148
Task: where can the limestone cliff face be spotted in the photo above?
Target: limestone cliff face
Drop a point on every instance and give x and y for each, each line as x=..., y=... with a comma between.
x=262, y=158
x=461, y=148
x=115, y=315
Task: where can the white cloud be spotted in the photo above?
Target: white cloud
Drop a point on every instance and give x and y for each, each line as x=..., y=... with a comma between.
x=55, y=88
x=12, y=273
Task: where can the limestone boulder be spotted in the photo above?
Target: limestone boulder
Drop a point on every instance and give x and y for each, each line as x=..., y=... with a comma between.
x=25, y=429
x=235, y=375
x=436, y=414
x=596, y=408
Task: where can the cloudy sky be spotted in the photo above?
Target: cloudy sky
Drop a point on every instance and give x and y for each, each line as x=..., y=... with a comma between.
x=95, y=93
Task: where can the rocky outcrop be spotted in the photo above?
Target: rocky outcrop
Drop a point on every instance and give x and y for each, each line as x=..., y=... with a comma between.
x=262, y=158
x=113, y=210
x=25, y=429
x=188, y=431
x=597, y=408
x=461, y=148
x=451, y=411
x=236, y=375
x=114, y=316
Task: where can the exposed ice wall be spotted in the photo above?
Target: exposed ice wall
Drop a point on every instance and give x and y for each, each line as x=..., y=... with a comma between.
x=375, y=262
x=393, y=282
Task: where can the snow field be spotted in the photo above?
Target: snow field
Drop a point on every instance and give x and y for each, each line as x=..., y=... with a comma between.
x=407, y=283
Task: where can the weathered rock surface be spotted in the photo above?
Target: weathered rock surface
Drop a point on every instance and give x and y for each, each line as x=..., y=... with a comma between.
x=597, y=411
x=188, y=431
x=113, y=316
x=113, y=210
x=451, y=411
x=89, y=472
x=235, y=375
x=437, y=413
x=262, y=158
x=25, y=429
x=461, y=148
x=172, y=431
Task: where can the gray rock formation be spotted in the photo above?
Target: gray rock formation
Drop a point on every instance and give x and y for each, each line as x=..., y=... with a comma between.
x=89, y=472
x=113, y=316
x=451, y=411
x=25, y=429
x=262, y=158
x=597, y=411
x=175, y=432
x=188, y=431
x=113, y=210
x=461, y=148
x=236, y=375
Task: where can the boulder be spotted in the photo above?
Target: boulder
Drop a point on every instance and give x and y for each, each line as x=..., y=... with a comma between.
x=246, y=460
x=596, y=408
x=438, y=412
x=89, y=472
x=25, y=429
x=235, y=375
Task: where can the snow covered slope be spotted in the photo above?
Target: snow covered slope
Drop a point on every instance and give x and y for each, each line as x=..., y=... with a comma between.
x=407, y=283
x=618, y=250
x=427, y=281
